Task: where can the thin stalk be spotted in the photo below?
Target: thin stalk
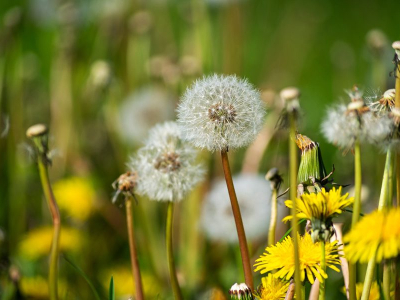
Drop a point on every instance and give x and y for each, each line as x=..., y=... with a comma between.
x=137, y=279
x=356, y=213
x=397, y=105
x=55, y=214
x=386, y=279
x=383, y=201
x=170, y=254
x=238, y=221
x=274, y=216
x=323, y=267
x=369, y=276
x=293, y=194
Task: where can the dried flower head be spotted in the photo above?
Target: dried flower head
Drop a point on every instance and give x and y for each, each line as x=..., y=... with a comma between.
x=376, y=234
x=280, y=258
x=382, y=104
x=241, y=291
x=344, y=125
x=220, y=112
x=253, y=193
x=125, y=184
x=166, y=165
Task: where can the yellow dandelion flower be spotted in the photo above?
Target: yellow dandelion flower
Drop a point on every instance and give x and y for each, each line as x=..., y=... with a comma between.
x=377, y=233
x=37, y=287
x=373, y=294
x=37, y=242
x=280, y=258
x=272, y=288
x=123, y=282
x=75, y=196
x=323, y=205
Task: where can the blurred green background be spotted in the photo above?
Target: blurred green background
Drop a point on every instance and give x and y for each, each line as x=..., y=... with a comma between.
x=101, y=73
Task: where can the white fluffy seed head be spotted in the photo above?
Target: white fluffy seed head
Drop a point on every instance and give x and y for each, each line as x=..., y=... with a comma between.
x=254, y=197
x=343, y=127
x=220, y=112
x=166, y=165
x=142, y=110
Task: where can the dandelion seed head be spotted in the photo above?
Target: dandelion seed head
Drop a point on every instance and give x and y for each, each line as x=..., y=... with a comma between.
x=343, y=125
x=166, y=165
x=219, y=112
x=143, y=109
x=254, y=196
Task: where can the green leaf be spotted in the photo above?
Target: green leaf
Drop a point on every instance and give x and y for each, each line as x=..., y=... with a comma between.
x=112, y=292
x=79, y=270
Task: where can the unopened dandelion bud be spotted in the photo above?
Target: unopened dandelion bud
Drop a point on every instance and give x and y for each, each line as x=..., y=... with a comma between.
x=241, y=291
x=311, y=164
x=396, y=47
x=274, y=177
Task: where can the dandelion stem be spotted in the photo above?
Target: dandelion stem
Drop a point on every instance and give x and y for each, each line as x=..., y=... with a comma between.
x=137, y=279
x=369, y=276
x=323, y=267
x=238, y=221
x=293, y=194
x=171, y=264
x=356, y=213
x=55, y=214
x=383, y=202
x=397, y=105
x=386, y=279
x=274, y=215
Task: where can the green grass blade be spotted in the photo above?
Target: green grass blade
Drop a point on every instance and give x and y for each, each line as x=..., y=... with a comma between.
x=79, y=270
x=112, y=293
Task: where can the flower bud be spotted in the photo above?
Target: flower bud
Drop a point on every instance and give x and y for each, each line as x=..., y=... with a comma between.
x=241, y=291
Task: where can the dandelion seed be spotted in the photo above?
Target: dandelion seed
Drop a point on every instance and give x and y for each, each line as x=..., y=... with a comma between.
x=375, y=234
x=280, y=258
x=166, y=165
x=220, y=112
